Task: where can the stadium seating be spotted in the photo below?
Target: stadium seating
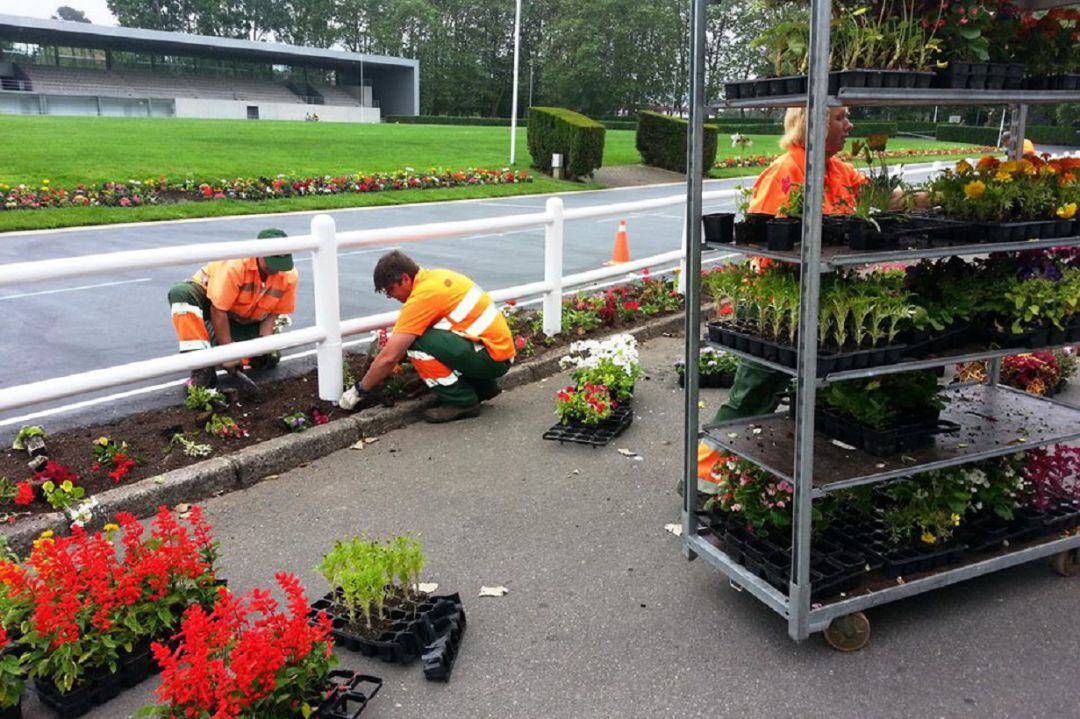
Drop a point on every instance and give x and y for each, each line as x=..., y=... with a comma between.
x=140, y=84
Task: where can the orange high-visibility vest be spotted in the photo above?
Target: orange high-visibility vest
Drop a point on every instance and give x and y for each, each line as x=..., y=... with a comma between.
x=447, y=300
x=841, y=182
x=236, y=287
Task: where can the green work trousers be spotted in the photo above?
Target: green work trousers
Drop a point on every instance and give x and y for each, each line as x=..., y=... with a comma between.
x=756, y=390
x=463, y=373
x=192, y=293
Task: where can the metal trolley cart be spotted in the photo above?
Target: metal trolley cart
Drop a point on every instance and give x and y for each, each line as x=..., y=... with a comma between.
x=788, y=446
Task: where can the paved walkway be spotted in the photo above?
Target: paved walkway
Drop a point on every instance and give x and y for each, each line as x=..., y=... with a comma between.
x=604, y=618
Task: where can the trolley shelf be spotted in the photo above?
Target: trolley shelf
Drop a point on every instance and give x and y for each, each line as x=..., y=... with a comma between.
x=835, y=256
x=907, y=97
x=880, y=591
x=994, y=421
x=959, y=356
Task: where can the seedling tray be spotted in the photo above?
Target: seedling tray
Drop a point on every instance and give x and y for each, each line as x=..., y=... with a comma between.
x=598, y=435
x=741, y=340
x=723, y=380
x=99, y=687
x=884, y=442
x=348, y=694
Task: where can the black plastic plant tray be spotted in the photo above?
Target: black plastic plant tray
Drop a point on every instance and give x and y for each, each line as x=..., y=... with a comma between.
x=741, y=341
x=723, y=380
x=409, y=631
x=100, y=686
x=880, y=443
x=439, y=656
x=596, y=436
x=900, y=562
x=797, y=84
x=348, y=695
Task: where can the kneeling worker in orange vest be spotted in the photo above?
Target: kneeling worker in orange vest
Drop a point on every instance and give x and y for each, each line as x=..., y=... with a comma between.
x=453, y=333
x=231, y=301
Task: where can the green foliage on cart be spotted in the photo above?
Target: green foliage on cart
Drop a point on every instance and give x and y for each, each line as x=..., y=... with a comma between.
x=579, y=139
x=661, y=140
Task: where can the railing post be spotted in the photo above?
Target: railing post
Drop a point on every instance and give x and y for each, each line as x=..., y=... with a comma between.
x=327, y=308
x=553, y=266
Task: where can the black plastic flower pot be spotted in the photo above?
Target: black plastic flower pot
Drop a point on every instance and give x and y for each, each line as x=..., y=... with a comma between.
x=873, y=78
x=69, y=704
x=751, y=231
x=1038, y=338
x=719, y=227
x=1057, y=336
x=777, y=86
x=136, y=665
x=795, y=85
x=890, y=78
x=733, y=90
x=853, y=78
x=781, y=234
x=1063, y=228
x=786, y=356
x=1014, y=76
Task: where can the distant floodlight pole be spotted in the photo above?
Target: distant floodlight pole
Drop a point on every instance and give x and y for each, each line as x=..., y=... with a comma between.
x=514, y=102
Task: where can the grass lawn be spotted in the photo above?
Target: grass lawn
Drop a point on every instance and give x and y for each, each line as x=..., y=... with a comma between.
x=70, y=150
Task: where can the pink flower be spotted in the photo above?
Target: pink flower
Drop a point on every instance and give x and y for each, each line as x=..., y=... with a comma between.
x=780, y=504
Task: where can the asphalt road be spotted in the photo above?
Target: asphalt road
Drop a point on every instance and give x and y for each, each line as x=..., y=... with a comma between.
x=604, y=618
x=52, y=329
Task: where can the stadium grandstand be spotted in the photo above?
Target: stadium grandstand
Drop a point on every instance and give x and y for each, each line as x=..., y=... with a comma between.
x=54, y=67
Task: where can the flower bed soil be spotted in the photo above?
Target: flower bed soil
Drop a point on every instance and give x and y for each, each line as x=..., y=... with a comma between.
x=147, y=434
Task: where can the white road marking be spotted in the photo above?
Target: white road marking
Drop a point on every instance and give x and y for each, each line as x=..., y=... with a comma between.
x=74, y=289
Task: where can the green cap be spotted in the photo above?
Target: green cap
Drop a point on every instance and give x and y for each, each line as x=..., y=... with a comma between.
x=277, y=263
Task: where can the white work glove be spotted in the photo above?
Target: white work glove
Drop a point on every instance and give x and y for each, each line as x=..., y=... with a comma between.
x=352, y=397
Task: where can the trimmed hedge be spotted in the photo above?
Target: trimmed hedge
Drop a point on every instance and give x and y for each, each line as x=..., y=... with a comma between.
x=919, y=127
x=619, y=124
x=661, y=140
x=1043, y=134
x=449, y=120
x=577, y=138
x=864, y=128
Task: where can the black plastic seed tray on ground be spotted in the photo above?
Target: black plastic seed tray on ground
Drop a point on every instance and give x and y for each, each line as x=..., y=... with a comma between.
x=722, y=380
x=100, y=687
x=598, y=435
x=348, y=694
x=409, y=632
x=439, y=656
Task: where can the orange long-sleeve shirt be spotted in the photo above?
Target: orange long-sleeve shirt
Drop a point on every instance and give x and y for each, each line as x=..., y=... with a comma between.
x=841, y=183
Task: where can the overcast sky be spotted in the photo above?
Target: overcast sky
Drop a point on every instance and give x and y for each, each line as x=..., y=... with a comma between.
x=96, y=10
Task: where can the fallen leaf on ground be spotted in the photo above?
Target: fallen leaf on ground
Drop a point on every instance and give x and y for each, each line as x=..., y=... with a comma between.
x=493, y=591
x=181, y=508
x=427, y=587
x=675, y=529
x=371, y=440
x=626, y=452
x=842, y=445
x=359, y=445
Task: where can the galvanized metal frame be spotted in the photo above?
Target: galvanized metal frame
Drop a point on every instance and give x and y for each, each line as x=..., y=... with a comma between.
x=802, y=620
x=907, y=366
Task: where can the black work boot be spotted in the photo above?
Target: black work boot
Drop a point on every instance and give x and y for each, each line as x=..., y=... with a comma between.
x=449, y=413
x=204, y=377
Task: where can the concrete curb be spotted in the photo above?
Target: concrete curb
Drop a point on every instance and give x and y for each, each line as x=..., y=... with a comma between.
x=258, y=462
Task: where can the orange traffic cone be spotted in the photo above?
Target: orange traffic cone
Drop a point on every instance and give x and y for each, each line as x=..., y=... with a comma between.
x=620, y=253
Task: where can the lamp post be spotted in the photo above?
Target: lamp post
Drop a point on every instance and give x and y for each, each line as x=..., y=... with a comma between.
x=514, y=101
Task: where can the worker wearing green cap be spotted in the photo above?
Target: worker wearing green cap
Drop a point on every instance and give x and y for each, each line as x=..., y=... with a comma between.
x=231, y=301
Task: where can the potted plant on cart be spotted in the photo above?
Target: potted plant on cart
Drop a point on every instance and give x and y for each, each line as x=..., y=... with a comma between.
x=751, y=230
x=716, y=368
x=784, y=230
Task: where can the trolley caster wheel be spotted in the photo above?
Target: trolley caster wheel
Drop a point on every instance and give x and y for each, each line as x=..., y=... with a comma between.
x=848, y=633
x=1067, y=564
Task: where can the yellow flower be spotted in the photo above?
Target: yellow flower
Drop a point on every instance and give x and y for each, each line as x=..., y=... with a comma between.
x=1047, y=170
x=928, y=538
x=1067, y=212
x=974, y=189
x=110, y=527
x=1027, y=167
x=955, y=519
x=102, y=440
x=44, y=182
x=964, y=167
x=1003, y=177
x=46, y=534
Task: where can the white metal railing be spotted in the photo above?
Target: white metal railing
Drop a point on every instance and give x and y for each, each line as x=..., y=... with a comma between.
x=324, y=243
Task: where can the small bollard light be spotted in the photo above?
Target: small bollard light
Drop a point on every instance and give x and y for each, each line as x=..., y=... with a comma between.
x=556, y=166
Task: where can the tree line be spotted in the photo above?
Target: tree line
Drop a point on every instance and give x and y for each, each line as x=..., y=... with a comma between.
x=600, y=57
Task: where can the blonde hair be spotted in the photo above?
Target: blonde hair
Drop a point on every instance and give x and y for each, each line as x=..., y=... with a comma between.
x=794, y=128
